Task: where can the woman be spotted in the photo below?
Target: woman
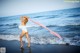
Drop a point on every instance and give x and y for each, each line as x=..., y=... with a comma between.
x=24, y=20
x=23, y=27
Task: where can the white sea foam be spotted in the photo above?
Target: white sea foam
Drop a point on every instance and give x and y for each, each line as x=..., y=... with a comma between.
x=44, y=40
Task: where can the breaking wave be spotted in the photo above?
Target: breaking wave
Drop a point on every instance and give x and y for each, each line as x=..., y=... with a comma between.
x=45, y=40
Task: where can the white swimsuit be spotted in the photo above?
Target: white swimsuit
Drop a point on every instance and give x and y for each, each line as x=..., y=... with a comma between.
x=24, y=28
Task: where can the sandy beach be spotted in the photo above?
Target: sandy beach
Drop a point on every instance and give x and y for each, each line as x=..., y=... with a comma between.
x=13, y=46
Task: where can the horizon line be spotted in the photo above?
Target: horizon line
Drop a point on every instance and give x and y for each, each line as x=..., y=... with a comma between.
x=39, y=12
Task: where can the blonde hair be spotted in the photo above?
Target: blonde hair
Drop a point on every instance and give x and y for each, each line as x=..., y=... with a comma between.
x=26, y=19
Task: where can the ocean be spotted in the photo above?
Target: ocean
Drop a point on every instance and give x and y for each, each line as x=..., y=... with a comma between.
x=66, y=22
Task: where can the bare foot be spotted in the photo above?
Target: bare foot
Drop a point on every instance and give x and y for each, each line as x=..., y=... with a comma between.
x=28, y=45
x=21, y=46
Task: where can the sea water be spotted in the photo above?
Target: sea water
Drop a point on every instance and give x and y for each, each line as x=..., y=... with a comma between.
x=66, y=22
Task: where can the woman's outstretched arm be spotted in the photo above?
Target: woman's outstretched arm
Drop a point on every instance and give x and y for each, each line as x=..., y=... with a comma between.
x=52, y=32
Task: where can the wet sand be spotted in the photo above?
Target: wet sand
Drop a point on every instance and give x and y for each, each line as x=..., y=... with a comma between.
x=13, y=46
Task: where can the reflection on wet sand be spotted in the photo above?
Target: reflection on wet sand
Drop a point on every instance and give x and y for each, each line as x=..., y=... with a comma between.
x=29, y=50
x=22, y=50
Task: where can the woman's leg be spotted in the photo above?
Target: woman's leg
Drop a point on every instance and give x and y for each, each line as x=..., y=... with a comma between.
x=22, y=34
x=28, y=38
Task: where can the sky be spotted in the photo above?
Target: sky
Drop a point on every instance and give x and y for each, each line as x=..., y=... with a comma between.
x=18, y=7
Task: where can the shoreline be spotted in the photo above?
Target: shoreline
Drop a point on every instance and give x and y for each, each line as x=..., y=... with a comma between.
x=13, y=46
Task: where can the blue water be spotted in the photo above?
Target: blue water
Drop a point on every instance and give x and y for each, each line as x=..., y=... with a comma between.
x=66, y=22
